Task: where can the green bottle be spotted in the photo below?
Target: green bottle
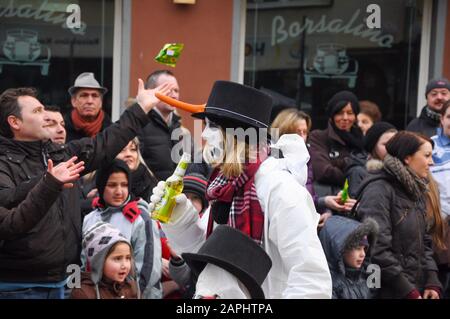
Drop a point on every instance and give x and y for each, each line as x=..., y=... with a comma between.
x=344, y=194
x=174, y=186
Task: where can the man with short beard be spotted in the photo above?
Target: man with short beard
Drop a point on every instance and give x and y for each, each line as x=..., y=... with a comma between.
x=437, y=93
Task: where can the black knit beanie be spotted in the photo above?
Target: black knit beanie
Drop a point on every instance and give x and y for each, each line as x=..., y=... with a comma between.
x=437, y=84
x=103, y=173
x=374, y=133
x=196, y=183
x=340, y=100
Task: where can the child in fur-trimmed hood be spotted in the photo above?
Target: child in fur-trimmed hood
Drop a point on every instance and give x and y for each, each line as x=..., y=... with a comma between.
x=346, y=243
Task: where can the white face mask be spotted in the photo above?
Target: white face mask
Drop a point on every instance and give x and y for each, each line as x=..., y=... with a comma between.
x=213, y=151
x=217, y=282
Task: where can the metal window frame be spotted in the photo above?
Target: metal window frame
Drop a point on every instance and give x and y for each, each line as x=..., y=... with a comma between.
x=121, y=56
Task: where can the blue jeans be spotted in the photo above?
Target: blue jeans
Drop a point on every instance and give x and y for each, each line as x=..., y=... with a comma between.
x=34, y=293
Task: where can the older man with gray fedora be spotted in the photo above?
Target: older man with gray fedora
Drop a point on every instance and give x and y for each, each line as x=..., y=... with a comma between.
x=87, y=117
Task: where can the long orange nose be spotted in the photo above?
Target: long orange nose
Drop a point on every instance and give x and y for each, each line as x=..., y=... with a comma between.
x=191, y=108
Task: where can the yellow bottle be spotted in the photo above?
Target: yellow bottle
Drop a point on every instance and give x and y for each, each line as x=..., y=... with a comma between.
x=174, y=186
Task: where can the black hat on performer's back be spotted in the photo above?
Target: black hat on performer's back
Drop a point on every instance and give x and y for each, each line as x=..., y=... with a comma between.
x=235, y=252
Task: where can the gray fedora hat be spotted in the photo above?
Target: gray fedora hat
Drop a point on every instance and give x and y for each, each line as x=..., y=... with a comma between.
x=88, y=81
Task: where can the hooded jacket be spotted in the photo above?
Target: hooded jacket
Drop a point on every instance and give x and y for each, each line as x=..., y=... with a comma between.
x=42, y=253
x=338, y=235
x=299, y=267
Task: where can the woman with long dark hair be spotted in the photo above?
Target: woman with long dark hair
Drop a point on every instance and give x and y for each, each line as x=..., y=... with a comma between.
x=395, y=198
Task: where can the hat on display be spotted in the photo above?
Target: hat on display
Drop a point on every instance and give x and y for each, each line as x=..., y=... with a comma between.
x=237, y=253
x=86, y=80
x=231, y=105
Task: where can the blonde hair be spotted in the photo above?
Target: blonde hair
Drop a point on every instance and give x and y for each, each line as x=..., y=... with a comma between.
x=287, y=121
x=91, y=176
x=437, y=228
x=236, y=154
x=136, y=143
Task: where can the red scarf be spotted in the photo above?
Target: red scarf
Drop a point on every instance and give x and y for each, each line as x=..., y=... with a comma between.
x=245, y=212
x=89, y=128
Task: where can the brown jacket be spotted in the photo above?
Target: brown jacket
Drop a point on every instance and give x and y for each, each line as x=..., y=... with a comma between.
x=108, y=289
x=328, y=152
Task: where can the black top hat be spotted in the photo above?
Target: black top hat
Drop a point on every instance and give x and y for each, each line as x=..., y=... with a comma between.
x=237, y=253
x=230, y=103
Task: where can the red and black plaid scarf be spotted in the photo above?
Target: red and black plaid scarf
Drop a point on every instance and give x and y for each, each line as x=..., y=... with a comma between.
x=245, y=211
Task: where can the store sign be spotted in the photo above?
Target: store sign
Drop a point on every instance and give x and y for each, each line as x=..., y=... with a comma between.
x=46, y=12
x=281, y=32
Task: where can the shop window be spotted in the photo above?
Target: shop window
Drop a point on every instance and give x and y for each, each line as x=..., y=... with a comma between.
x=43, y=46
x=302, y=52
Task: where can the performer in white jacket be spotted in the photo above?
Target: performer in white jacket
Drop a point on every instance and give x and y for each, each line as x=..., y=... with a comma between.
x=263, y=196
